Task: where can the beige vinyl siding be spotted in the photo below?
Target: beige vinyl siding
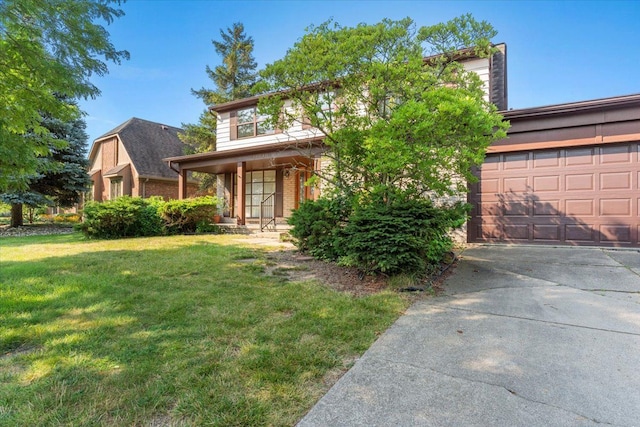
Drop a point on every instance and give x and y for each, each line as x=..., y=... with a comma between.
x=481, y=68
x=224, y=141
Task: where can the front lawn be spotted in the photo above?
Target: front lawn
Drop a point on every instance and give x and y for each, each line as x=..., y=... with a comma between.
x=183, y=330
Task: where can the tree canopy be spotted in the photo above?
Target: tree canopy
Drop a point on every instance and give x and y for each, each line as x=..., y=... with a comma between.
x=49, y=50
x=397, y=107
x=232, y=79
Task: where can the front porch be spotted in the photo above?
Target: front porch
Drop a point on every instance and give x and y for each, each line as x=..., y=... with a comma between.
x=260, y=185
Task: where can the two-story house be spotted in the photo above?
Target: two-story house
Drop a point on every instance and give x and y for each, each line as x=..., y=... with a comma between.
x=127, y=160
x=257, y=166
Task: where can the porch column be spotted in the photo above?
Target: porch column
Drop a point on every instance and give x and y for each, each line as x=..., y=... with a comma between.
x=182, y=184
x=242, y=167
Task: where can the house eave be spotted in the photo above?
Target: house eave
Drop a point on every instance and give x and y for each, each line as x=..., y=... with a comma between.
x=260, y=149
x=574, y=107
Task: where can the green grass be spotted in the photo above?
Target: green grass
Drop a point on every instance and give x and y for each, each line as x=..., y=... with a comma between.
x=184, y=330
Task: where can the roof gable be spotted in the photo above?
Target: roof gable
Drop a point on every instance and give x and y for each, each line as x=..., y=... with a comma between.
x=147, y=143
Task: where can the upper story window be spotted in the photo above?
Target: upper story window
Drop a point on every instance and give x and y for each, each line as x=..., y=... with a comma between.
x=325, y=106
x=249, y=123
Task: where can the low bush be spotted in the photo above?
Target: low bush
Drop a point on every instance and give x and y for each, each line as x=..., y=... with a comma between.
x=123, y=217
x=67, y=217
x=189, y=215
x=401, y=235
x=317, y=227
x=135, y=217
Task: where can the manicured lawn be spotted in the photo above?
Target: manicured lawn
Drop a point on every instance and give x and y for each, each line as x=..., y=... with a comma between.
x=183, y=330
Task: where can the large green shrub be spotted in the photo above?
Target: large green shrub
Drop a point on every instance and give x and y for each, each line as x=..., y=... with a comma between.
x=393, y=234
x=401, y=235
x=123, y=217
x=132, y=217
x=189, y=215
x=317, y=227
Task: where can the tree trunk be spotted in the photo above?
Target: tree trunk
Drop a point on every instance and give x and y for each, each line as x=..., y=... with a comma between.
x=16, y=215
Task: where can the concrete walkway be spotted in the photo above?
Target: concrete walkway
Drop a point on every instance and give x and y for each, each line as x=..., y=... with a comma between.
x=525, y=336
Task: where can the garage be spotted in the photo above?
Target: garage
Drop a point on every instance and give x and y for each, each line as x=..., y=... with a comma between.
x=567, y=174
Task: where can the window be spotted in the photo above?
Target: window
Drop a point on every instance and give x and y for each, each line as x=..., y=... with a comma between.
x=116, y=188
x=249, y=123
x=325, y=106
x=388, y=104
x=88, y=196
x=258, y=185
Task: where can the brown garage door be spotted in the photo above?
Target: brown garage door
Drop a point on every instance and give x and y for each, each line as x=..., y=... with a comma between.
x=575, y=196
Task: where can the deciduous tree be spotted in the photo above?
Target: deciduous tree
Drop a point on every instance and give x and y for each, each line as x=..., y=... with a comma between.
x=398, y=109
x=49, y=50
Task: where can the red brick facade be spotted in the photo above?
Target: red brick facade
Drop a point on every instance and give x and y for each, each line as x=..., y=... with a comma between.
x=112, y=155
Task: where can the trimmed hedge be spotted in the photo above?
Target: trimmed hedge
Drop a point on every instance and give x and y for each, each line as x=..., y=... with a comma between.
x=123, y=217
x=186, y=216
x=135, y=217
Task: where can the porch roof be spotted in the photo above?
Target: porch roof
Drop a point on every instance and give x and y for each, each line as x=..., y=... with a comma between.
x=285, y=154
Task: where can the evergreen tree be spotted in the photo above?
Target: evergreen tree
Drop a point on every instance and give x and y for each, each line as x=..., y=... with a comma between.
x=236, y=75
x=232, y=79
x=62, y=176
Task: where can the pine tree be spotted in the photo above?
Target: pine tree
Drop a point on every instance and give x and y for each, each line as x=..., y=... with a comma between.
x=48, y=49
x=61, y=177
x=232, y=79
x=236, y=75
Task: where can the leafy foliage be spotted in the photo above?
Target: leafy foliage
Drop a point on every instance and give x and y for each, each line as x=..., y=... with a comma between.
x=317, y=227
x=134, y=217
x=392, y=119
x=401, y=236
x=48, y=50
x=61, y=176
x=189, y=215
x=403, y=122
x=123, y=217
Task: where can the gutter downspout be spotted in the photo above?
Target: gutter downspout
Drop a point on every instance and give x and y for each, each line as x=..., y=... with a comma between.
x=170, y=164
x=144, y=188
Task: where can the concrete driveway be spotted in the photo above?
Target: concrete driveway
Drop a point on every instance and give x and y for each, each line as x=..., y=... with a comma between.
x=524, y=336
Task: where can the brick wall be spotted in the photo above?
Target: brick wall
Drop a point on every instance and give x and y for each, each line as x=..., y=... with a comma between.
x=109, y=160
x=165, y=189
x=289, y=194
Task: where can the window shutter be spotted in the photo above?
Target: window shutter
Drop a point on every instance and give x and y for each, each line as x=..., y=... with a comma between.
x=233, y=126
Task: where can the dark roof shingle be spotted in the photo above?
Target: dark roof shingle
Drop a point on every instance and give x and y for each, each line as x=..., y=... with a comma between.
x=147, y=143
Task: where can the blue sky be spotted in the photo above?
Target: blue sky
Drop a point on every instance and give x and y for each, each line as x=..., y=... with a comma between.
x=557, y=51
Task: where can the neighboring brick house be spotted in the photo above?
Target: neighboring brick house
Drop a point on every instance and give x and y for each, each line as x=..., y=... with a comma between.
x=127, y=160
x=256, y=166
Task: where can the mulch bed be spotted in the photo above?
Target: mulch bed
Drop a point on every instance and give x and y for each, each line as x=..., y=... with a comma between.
x=345, y=279
x=34, y=230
